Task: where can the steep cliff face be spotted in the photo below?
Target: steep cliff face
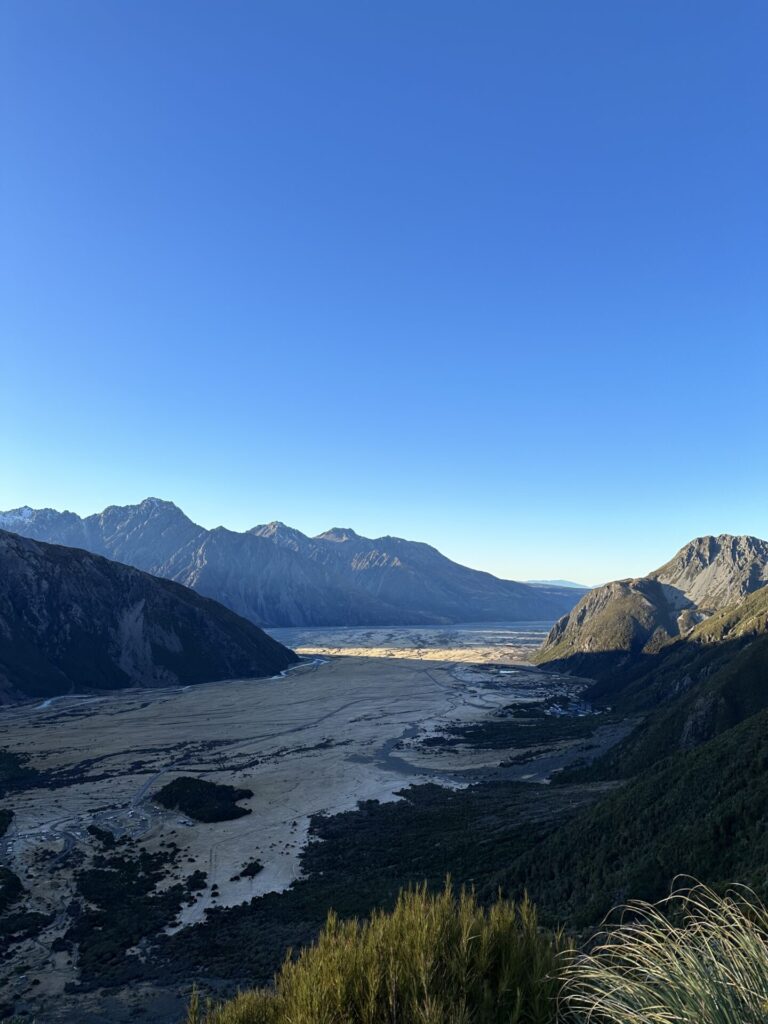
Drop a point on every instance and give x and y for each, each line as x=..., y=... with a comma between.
x=71, y=622
x=275, y=575
x=629, y=617
x=714, y=572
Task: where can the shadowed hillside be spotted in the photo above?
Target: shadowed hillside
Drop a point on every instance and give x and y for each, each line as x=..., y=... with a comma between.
x=71, y=621
x=696, y=798
x=701, y=813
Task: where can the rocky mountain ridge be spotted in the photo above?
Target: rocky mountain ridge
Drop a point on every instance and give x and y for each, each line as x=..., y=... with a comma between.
x=712, y=573
x=634, y=616
x=275, y=575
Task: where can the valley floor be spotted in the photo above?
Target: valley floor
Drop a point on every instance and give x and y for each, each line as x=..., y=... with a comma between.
x=367, y=713
x=474, y=643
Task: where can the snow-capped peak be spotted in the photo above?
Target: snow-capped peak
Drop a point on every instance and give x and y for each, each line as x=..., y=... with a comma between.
x=16, y=515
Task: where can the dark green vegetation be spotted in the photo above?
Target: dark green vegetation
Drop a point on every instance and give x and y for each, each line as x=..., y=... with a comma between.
x=251, y=869
x=10, y=889
x=20, y=925
x=364, y=859
x=703, y=814
x=14, y=773
x=527, y=727
x=203, y=800
x=105, y=837
x=438, y=958
x=132, y=629
x=16, y=924
x=14, y=776
x=122, y=904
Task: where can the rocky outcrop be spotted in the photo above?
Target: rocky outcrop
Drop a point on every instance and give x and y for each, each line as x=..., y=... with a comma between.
x=712, y=573
x=71, y=622
x=277, y=576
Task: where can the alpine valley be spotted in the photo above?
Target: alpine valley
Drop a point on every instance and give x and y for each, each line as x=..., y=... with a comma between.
x=184, y=797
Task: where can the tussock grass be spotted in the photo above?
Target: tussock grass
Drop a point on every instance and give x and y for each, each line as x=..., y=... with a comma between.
x=693, y=958
x=436, y=959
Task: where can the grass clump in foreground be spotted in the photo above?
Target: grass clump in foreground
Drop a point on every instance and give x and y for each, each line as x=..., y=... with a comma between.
x=694, y=958
x=436, y=959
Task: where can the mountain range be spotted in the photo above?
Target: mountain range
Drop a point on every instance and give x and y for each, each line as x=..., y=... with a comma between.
x=274, y=575
x=71, y=621
x=558, y=583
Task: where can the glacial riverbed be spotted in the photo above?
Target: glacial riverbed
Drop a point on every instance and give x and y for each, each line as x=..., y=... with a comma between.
x=367, y=713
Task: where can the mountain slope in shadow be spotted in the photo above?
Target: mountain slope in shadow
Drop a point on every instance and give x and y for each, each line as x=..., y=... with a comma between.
x=72, y=622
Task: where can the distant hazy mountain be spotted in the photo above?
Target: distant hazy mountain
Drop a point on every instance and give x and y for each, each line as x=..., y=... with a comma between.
x=642, y=615
x=558, y=583
x=72, y=621
x=277, y=576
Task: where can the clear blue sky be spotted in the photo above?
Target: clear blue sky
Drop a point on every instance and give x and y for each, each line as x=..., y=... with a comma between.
x=490, y=275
